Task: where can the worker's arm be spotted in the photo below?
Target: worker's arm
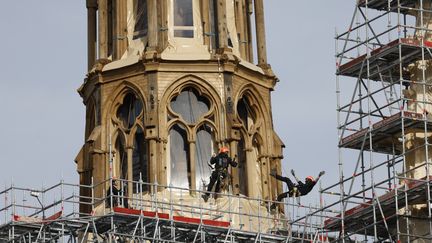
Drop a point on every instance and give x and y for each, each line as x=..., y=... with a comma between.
x=213, y=159
x=297, y=179
x=320, y=174
x=233, y=162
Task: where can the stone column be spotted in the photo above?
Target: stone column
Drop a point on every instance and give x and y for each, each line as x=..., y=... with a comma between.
x=162, y=28
x=240, y=19
x=120, y=33
x=103, y=29
x=152, y=19
x=250, y=54
x=192, y=161
x=129, y=151
x=266, y=190
x=234, y=171
x=222, y=26
x=205, y=13
x=152, y=161
x=251, y=161
x=91, y=33
x=260, y=32
x=419, y=94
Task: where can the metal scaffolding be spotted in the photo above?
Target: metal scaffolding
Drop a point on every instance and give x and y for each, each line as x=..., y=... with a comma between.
x=153, y=213
x=384, y=104
x=383, y=81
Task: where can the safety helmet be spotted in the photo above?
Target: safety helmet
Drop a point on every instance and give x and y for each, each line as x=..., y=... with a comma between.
x=223, y=150
x=310, y=178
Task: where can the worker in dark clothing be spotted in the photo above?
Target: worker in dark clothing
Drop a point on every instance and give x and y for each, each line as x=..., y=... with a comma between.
x=295, y=190
x=220, y=172
x=118, y=197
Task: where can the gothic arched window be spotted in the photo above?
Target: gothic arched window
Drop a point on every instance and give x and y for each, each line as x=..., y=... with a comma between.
x=131, y=159
x=248, y=146
x=191, y=114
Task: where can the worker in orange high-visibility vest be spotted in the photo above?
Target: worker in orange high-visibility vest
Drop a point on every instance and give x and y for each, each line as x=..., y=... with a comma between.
x=220, y=172
x=295, y=190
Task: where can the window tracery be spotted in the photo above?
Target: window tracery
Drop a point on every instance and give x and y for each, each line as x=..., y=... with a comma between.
x=131, y=148
x=192, y=115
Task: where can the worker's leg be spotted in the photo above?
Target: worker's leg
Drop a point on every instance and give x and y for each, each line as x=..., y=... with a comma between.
x=290, y=184
x=218, y=185
x=213, y=179
x=282, y=196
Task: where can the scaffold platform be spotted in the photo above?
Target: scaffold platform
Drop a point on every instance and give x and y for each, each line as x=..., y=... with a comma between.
x=384, y=128
x=386, y=133
x=148, y=225
x=30, y=230
x=384, y=61
x=161, y=220
x=383, y=5
x=360, y=219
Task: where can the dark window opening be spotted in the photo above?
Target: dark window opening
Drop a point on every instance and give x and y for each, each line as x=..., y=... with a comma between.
x=230, y=44
x=245, y=112
x=242, y=167
x=139, y=159
x=129, y=111
x=122, y=157
x=242, y=112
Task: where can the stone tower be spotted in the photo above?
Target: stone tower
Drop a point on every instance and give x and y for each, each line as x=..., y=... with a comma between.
x=171, y=81
x=419, y=96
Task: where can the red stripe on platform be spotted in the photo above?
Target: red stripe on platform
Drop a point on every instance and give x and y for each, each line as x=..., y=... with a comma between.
x=134, y=212
x=54, y=216
x=208, y=222
x=216, y=223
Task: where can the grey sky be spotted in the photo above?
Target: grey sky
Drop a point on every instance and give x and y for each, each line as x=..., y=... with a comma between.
x=43, y=47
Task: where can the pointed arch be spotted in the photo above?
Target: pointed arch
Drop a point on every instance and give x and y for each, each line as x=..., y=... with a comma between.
x=117, y=98
x=263, y=117
x=257, y=102
x=193, y=104
x=202, y=86
x=254, y=119
x=125, y=121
